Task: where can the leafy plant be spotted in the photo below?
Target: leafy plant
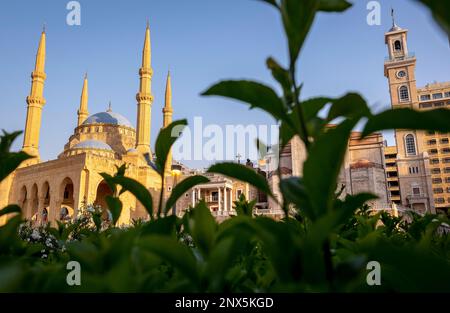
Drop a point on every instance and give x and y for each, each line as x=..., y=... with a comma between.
x=322, y=244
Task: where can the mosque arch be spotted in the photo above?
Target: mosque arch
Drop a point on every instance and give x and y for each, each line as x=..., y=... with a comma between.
x=67, y=200
x=103, y=190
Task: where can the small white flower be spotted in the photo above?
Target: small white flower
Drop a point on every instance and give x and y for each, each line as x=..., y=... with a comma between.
x=35, y=234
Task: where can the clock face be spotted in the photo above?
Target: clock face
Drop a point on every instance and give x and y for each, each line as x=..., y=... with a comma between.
x=401, y=74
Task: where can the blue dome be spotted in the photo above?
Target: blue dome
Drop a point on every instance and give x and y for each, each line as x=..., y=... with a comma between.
x=108, y=118
x=92, y=144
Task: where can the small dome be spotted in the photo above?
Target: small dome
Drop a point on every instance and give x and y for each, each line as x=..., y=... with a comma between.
x=108, y=118
x=92, y=144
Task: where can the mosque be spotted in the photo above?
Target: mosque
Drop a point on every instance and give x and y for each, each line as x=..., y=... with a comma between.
x=52, y=190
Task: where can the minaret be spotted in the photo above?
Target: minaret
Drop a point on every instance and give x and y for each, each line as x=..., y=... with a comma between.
x=144, y=98
x=83, y=110
x=167, y=116
x=35, y=103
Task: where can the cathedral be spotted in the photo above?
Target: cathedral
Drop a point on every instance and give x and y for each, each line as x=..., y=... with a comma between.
x=53, y=190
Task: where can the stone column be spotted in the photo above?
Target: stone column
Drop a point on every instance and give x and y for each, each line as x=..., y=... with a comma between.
x=225, y=200
x=198, y=194
x=219, y=199
x=53, y=212
x=193, y=197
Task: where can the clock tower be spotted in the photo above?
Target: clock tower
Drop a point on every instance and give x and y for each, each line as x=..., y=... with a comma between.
x=414, y=176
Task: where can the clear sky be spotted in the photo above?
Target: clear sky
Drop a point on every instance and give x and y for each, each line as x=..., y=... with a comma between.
x=201, y=41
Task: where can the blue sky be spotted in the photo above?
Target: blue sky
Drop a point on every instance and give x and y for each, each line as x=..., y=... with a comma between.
x=202, y=41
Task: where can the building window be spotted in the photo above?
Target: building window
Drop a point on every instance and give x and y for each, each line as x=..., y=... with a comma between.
x=446, y=160
x=436, y=180
x=447, y=179
x=397, y=45
x=434, y=161
x=410, y=144
x=439, y=200
x=403, y=93
x=416, y=191
x=432, y=142
x=439, y=104
x=446, y=150
x=432, y=151
x=425, y=97
x=438, y=190
x=447, y=170
x=444, y=140
x=447, y=94
x=214, y=196
x=238, y=193
x=435, y=171
x=413, y=170
x=437, y=96
x=426, y=105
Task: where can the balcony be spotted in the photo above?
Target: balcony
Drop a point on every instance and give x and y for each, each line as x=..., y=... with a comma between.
x=391, y=169
x=407, y=57
x=210, y=199
x=416, y=196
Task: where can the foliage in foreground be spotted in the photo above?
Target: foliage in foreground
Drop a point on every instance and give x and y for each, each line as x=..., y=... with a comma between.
x=323, y=244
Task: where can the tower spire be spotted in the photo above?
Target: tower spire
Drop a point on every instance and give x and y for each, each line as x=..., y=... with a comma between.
x=144, y=98
x=83, y=110
x=35, y=101
x=167, y=116
x=393, y=18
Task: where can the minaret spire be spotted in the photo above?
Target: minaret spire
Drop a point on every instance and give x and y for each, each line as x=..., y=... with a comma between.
x=83, y=110
x=144, y=98
x=167, y=116
x=35, y=102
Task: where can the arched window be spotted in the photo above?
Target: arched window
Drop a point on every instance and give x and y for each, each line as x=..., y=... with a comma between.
x=410, y=144
x=403, y=93
x=397, y=45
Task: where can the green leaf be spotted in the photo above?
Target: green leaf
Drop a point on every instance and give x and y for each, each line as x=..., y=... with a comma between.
x=333, y=5
x=202, y=227
x=182, y=187
x=441, y=12
x=322, y=228
x=272, y=2
x=175, y=253
x=294, y=192
x=12, y=208
x=311, y=107
x=137, y=189
x=324, y=160
x=281, y=75
x=9, y=161
x=351, y=105
x=166, y=138
x=297, y=17
x=115, y=207
x=253, y=93
x=242, y=173
x=437, y=120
